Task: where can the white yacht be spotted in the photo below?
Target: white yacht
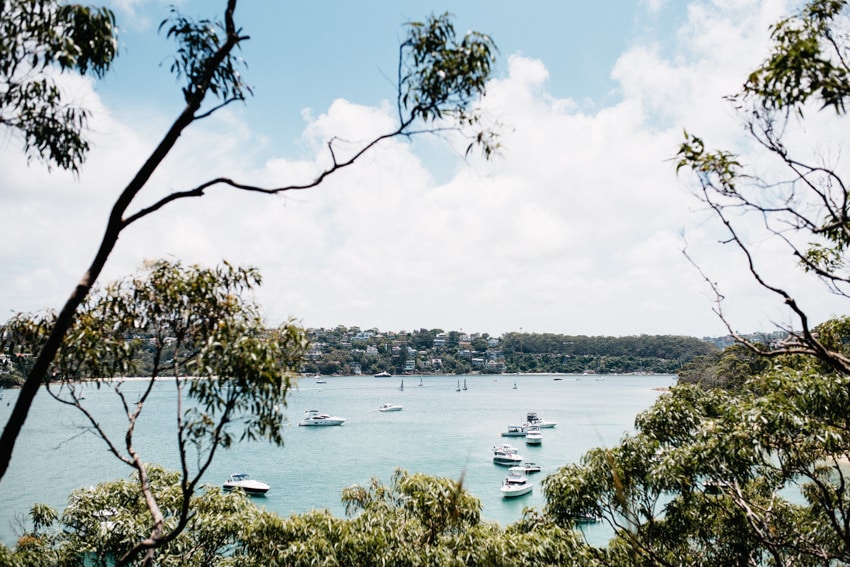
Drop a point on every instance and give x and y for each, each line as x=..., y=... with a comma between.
x=533, y=435
x=314, y=417
x=515, y=484
x=390, y=407
x=532, y=418
x=526, y=468
x=514, y=431
x=506, y=455
x=250, y=486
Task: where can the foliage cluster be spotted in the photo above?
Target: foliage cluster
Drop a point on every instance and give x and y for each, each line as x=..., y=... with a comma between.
x=729, y=369
x=714, y=477
x=199, y=324
x=35, y=37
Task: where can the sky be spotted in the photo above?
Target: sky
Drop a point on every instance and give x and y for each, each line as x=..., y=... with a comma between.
x=576, y=227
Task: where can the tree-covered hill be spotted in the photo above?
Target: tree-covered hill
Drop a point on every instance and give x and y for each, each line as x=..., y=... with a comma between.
x=351, y=350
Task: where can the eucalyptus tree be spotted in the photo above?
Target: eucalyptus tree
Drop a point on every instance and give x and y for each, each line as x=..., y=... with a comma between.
x=798, y=195
x=440, y=77
x=756, y=474
x=713, y=477
x=38, y=37
x=229, y=373
x=101, y=522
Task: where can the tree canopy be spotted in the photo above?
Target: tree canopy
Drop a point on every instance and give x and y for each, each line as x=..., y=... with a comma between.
x=746, y=465
x=800, y=198
x=199, y=324
x=37, y=37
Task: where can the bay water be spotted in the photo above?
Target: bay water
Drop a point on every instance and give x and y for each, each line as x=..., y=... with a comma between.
x=441, y=431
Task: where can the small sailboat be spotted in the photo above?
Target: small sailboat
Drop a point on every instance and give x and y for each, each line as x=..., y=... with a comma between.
x=420, y=380
x=402, y=385
x=514, y=384
x=464, y=383
x=458, y=386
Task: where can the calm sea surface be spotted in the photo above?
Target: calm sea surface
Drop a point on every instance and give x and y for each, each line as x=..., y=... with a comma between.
x=440, y=432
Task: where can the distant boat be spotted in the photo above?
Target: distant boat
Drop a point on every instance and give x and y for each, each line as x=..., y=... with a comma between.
x=420, y=380
x=250, y=486
x=514, y=431
x=526, y=468
x=383, y=374
x=464, y=383
x=515, y=484
x=531, y=418
x=506, y=455
x=458, y=386
x=390, y=407
x=402, y=385
x=314, y=417
x=514, y=384
x=533, y=435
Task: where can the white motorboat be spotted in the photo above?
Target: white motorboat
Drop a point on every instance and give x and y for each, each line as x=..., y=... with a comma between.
x=383, y=374
x=314, y=417
x=390, y=407
x=533, y=435
x=249, y=485
x=532, y=418
x=506, y=455
x=515, y=484
x=525, y=468
x=514, y=431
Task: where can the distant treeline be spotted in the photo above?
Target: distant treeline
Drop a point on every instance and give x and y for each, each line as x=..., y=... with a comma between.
x=547, y=352
x=649, y=346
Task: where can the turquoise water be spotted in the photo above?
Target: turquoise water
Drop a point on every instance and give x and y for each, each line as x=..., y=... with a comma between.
x=440, y=432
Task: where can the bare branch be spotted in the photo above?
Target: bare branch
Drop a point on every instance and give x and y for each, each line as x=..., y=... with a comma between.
x=200, y=190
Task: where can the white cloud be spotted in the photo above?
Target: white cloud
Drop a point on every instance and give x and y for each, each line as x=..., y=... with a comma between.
x=576, y=228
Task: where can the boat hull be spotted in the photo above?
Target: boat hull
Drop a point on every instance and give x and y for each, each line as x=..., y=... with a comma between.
x=527, y=468
x=513, y=492
x=507, y=460
x=321, y=422
x=248, y=489
x=514, y=431
x=314, y=418
x=250, y=486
